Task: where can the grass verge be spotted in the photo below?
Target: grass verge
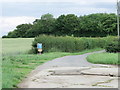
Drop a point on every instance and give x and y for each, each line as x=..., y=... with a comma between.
x=104, y=58
x=15, y=68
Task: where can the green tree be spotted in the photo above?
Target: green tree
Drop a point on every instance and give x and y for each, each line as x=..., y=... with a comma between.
x=19, y=31
x=47, y=17
x=100, y=24
x=45, y=25
x=93, y=25
x=66, y=24
x=13, y=34
x=22, y=29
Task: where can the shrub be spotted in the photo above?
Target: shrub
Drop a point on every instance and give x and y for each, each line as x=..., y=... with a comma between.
x=113, y=46
x=54, y=50
x=4, y=36
x=67, y=43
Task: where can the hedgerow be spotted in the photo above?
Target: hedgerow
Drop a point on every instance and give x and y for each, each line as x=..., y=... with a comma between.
x=113, y=47
x=69, y=44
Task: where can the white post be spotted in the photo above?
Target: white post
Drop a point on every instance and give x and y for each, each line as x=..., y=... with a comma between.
x=118, y=10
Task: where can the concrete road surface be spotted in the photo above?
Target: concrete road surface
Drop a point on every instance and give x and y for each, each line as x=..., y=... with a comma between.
x=72, y=72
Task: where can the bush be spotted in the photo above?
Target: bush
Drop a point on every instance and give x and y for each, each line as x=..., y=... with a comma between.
x=113, y=46
x=4, y=36
x=67, y=43
x=54, y=50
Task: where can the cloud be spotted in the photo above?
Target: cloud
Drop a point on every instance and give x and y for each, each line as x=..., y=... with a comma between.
x=9, y=23
x=56, y=8
x=78, y=1
x=25, y=11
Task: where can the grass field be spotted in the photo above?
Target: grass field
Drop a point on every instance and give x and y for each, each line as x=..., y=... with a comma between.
x=17, y=63
x=16, y=46
x=104, y=58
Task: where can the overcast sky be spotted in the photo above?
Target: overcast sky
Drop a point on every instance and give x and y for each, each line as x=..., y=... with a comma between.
x=15, y=12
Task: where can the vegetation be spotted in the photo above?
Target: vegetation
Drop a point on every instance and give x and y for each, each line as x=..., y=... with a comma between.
x=15, y=68
x=0, y=64
x=69, y=44
x=93, y=25
x=16, y=64
x=104, y=58
x=16, y=46
x=113, y=47
x=61, y=38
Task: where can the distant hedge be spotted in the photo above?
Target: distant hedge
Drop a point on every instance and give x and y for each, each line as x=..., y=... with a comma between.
x=68, y=44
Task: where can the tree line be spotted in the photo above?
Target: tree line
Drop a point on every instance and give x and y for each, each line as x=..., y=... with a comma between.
x=93, y=25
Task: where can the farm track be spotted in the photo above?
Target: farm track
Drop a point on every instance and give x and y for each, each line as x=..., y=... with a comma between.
x=72, y=72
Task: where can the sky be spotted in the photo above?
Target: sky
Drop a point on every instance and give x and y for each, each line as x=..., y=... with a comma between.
x=15, y=12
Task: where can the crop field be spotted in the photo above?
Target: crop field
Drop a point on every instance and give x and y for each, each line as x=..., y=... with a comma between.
x=17, y=63
x=16, y=46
